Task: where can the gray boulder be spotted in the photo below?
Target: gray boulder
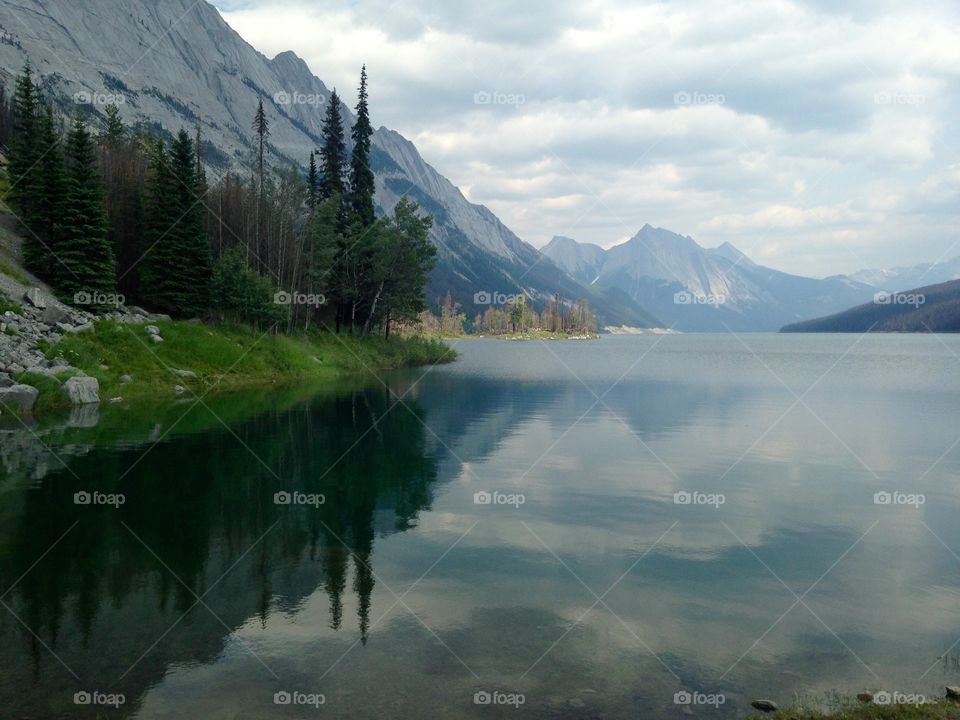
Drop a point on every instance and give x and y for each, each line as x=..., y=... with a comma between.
x=186, y=374
x=18, y=397
x=151, y=329
x=54, y=314
x=126, y=379
x=765, y=705
x=86, y=327
x=36, y=298
x=156, y=338
x=82, y=390
x=134, y=310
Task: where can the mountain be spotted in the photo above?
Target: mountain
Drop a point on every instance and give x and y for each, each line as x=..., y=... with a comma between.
x=910, y=276
x=173, y=63
x=934, y=308
x=694, y=288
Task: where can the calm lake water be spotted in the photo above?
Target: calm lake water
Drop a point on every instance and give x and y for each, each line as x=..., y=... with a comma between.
x=588, y=528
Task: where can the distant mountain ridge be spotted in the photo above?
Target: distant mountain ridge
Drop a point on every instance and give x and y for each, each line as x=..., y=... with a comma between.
x=173, y=63
x=693, y=288
x=933, y=308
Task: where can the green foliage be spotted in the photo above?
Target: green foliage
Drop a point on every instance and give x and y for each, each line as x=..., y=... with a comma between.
x=333, y=152
x=231, y=357
x=241, y=295
x=944, y=710
x=177, y=267
x=83, y=253
x=24, y=154
x=115, y=132
x=362, y=187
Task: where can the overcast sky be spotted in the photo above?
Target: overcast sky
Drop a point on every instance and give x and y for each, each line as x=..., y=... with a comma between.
x=816, y=140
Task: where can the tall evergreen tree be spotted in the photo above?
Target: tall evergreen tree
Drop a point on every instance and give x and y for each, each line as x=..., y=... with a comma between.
x=362, y=185
x=178, y=265
x=50, y=191
x=333, y=152
x=115, y=132
x=261, y=125
x=24, y=153
x=313, y=183
x=85, y=258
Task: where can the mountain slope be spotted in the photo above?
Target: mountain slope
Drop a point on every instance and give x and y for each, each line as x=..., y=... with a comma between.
x=697, y=289
x=934, y=308
x=170, y=63
x=906, y=277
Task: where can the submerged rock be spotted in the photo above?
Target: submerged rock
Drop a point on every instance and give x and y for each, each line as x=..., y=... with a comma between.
x=765, y=705
x=82, y=390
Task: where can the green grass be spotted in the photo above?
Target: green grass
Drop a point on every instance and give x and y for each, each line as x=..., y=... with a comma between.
x=931, y=711
x=9, y=305
x=223, y=359
x=10, y=271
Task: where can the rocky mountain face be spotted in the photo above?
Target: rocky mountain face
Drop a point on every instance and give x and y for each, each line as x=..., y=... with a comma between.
x=693, y=288
x=173, y=63
x=911, y=276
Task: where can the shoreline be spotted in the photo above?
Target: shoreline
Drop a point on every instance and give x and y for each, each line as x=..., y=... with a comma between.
x=191, y=360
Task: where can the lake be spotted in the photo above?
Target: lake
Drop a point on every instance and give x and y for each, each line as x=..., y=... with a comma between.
x=639, y=526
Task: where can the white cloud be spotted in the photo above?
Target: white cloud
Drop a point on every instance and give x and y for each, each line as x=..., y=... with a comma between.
x=832, y=124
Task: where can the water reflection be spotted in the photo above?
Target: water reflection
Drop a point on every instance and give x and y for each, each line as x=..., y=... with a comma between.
x=399, y=596
x=197, y=544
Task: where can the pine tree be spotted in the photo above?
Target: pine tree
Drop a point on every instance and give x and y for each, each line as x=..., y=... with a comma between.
x=333, y=152
x=115, y=132
x=24, y=154
x=362, y=186
x=85, y=258
x=313, y=183
x=178, y=264
x=50, y=193
x=261, y=126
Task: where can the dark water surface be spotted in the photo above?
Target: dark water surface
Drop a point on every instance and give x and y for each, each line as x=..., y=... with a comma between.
x=586, y=587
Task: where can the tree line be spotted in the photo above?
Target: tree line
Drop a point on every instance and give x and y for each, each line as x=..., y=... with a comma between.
x=130, y=213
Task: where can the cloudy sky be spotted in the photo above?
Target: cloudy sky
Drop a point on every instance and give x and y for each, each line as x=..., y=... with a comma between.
x=816, y=140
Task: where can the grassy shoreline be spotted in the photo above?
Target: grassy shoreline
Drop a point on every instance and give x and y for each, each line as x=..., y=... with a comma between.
x=204, y=359
x=941, y=710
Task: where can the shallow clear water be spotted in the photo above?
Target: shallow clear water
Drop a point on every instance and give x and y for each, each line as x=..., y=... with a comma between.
x=586, y=585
